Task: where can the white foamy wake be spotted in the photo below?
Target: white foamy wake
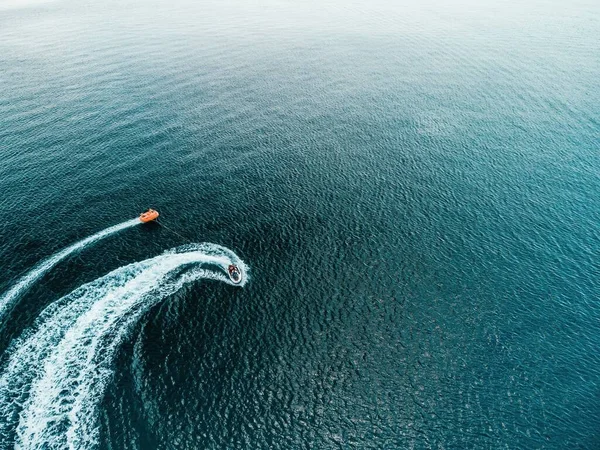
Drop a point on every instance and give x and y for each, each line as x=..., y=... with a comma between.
x=8, y=299
x=57, y=371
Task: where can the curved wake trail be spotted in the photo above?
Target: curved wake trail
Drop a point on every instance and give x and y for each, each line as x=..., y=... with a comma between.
x=57, y=371
x=7, y=300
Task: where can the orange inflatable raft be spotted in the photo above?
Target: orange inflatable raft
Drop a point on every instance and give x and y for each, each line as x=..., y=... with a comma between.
x=149, y=216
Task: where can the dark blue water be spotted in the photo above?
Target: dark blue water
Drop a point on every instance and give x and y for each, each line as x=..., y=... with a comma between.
x=413, y=189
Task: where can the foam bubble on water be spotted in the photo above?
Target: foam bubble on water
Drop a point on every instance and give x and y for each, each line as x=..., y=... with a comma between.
x=57, y=371
x=7, y=300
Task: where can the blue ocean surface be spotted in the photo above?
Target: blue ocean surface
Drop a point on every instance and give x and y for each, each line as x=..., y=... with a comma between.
x=411, y=190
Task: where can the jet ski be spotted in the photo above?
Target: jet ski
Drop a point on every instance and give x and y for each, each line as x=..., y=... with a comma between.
x=235, y=274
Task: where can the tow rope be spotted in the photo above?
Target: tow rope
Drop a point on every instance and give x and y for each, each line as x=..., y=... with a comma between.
x=173, y=231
